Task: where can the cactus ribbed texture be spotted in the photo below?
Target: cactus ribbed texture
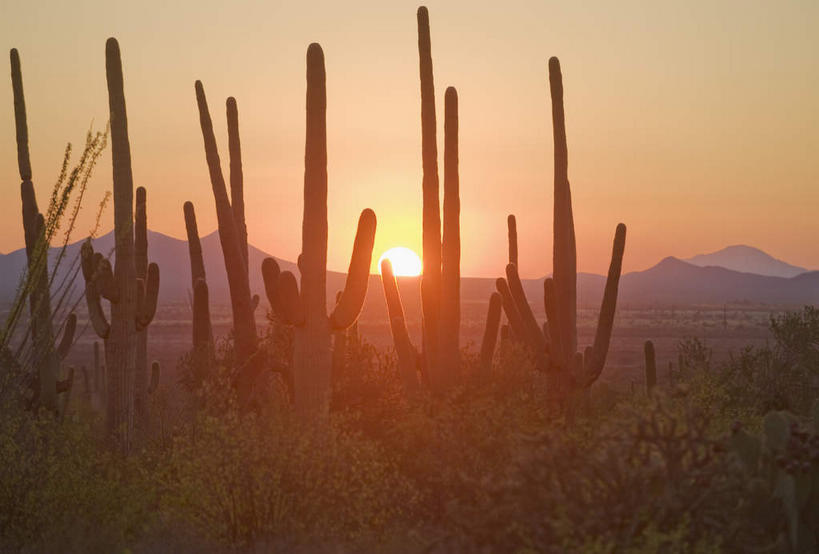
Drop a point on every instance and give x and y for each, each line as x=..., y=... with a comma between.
x=490, y=333
x=555, y=344
x=306, y=309
x=230, y=237
x=47, y=356
x=133, y=300
x=651, y=366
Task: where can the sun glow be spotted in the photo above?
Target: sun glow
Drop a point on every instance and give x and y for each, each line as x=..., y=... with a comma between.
x=404, y=261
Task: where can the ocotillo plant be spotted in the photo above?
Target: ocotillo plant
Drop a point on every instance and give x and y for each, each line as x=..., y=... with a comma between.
x=133, y=302
x=231, y=233
x=651, y=366
x=47, y=357
x=556, y=350
x=203, y=350
x=306, y=309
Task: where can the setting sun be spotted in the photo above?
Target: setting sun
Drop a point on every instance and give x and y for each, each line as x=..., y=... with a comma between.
x=404, y=261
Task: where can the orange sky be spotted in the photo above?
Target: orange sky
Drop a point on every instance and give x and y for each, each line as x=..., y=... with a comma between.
x=695, y=123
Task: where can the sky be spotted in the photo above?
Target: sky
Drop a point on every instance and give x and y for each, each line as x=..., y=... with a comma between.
x=695, y=123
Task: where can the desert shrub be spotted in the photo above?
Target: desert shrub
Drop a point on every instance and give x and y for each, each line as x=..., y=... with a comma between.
x=62, y=491
x=251, y=480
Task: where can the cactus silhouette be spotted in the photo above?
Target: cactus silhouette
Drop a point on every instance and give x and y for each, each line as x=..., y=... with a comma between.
x=233, y=238
x=203, y=346
x=555, y=344
x=305, y=307
x=47, y=356
x=133, y=299
x=440, y=280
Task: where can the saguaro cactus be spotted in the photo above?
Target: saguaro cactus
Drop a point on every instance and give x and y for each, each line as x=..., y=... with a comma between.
x=490, y=333
x=555, y=347
x=440, y=281
x=651, y=366
x=306, y=309
x=47, y=357
x=202, y=330
x=512, y=227
x=133, y=301
x=232, y=236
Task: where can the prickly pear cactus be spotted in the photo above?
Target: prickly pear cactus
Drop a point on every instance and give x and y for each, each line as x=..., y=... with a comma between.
x=783, y=463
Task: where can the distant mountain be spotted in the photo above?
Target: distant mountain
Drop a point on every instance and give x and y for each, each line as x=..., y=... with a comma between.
x=747, y=259
x=672, y=281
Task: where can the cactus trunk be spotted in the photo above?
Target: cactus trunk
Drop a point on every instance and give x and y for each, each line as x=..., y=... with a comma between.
x=450, y=298
x=120, y=351
x=431, y=232
x=306, y=310
x=244, y=324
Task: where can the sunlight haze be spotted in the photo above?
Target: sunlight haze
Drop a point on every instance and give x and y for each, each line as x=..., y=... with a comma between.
x=695, y=123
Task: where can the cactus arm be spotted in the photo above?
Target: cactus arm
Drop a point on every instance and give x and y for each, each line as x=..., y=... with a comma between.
x=531, y=329
x=431, y=229
x=339, y=346
x=512, y=231
x=147, y=295
x=510, y=309
x=651, y=366
x=490, y=333
x=565, y=253
x=290, y=300
x=449, y=304
x=194, y=245
x=202, y=333
x=282, y=292
x=605, y=323
x=140, y=234
x=68, y=335
x=407, y=354
x=237, y=198
x=555, y=345
x=270, y=277
x=95, y=312
x=21, y=125
x=351, y=300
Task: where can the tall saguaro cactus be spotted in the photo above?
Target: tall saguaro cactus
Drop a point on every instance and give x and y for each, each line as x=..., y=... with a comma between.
x=133, y=300
x=47, y=357
x=440, y=280
x=233, y=238
x=555, y=347
x=306, y=309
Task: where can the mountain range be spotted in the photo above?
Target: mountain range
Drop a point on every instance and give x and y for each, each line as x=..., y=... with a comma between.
x=719, y=278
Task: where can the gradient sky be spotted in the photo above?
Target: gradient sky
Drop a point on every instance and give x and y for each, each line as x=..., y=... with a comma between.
x=696, y=123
